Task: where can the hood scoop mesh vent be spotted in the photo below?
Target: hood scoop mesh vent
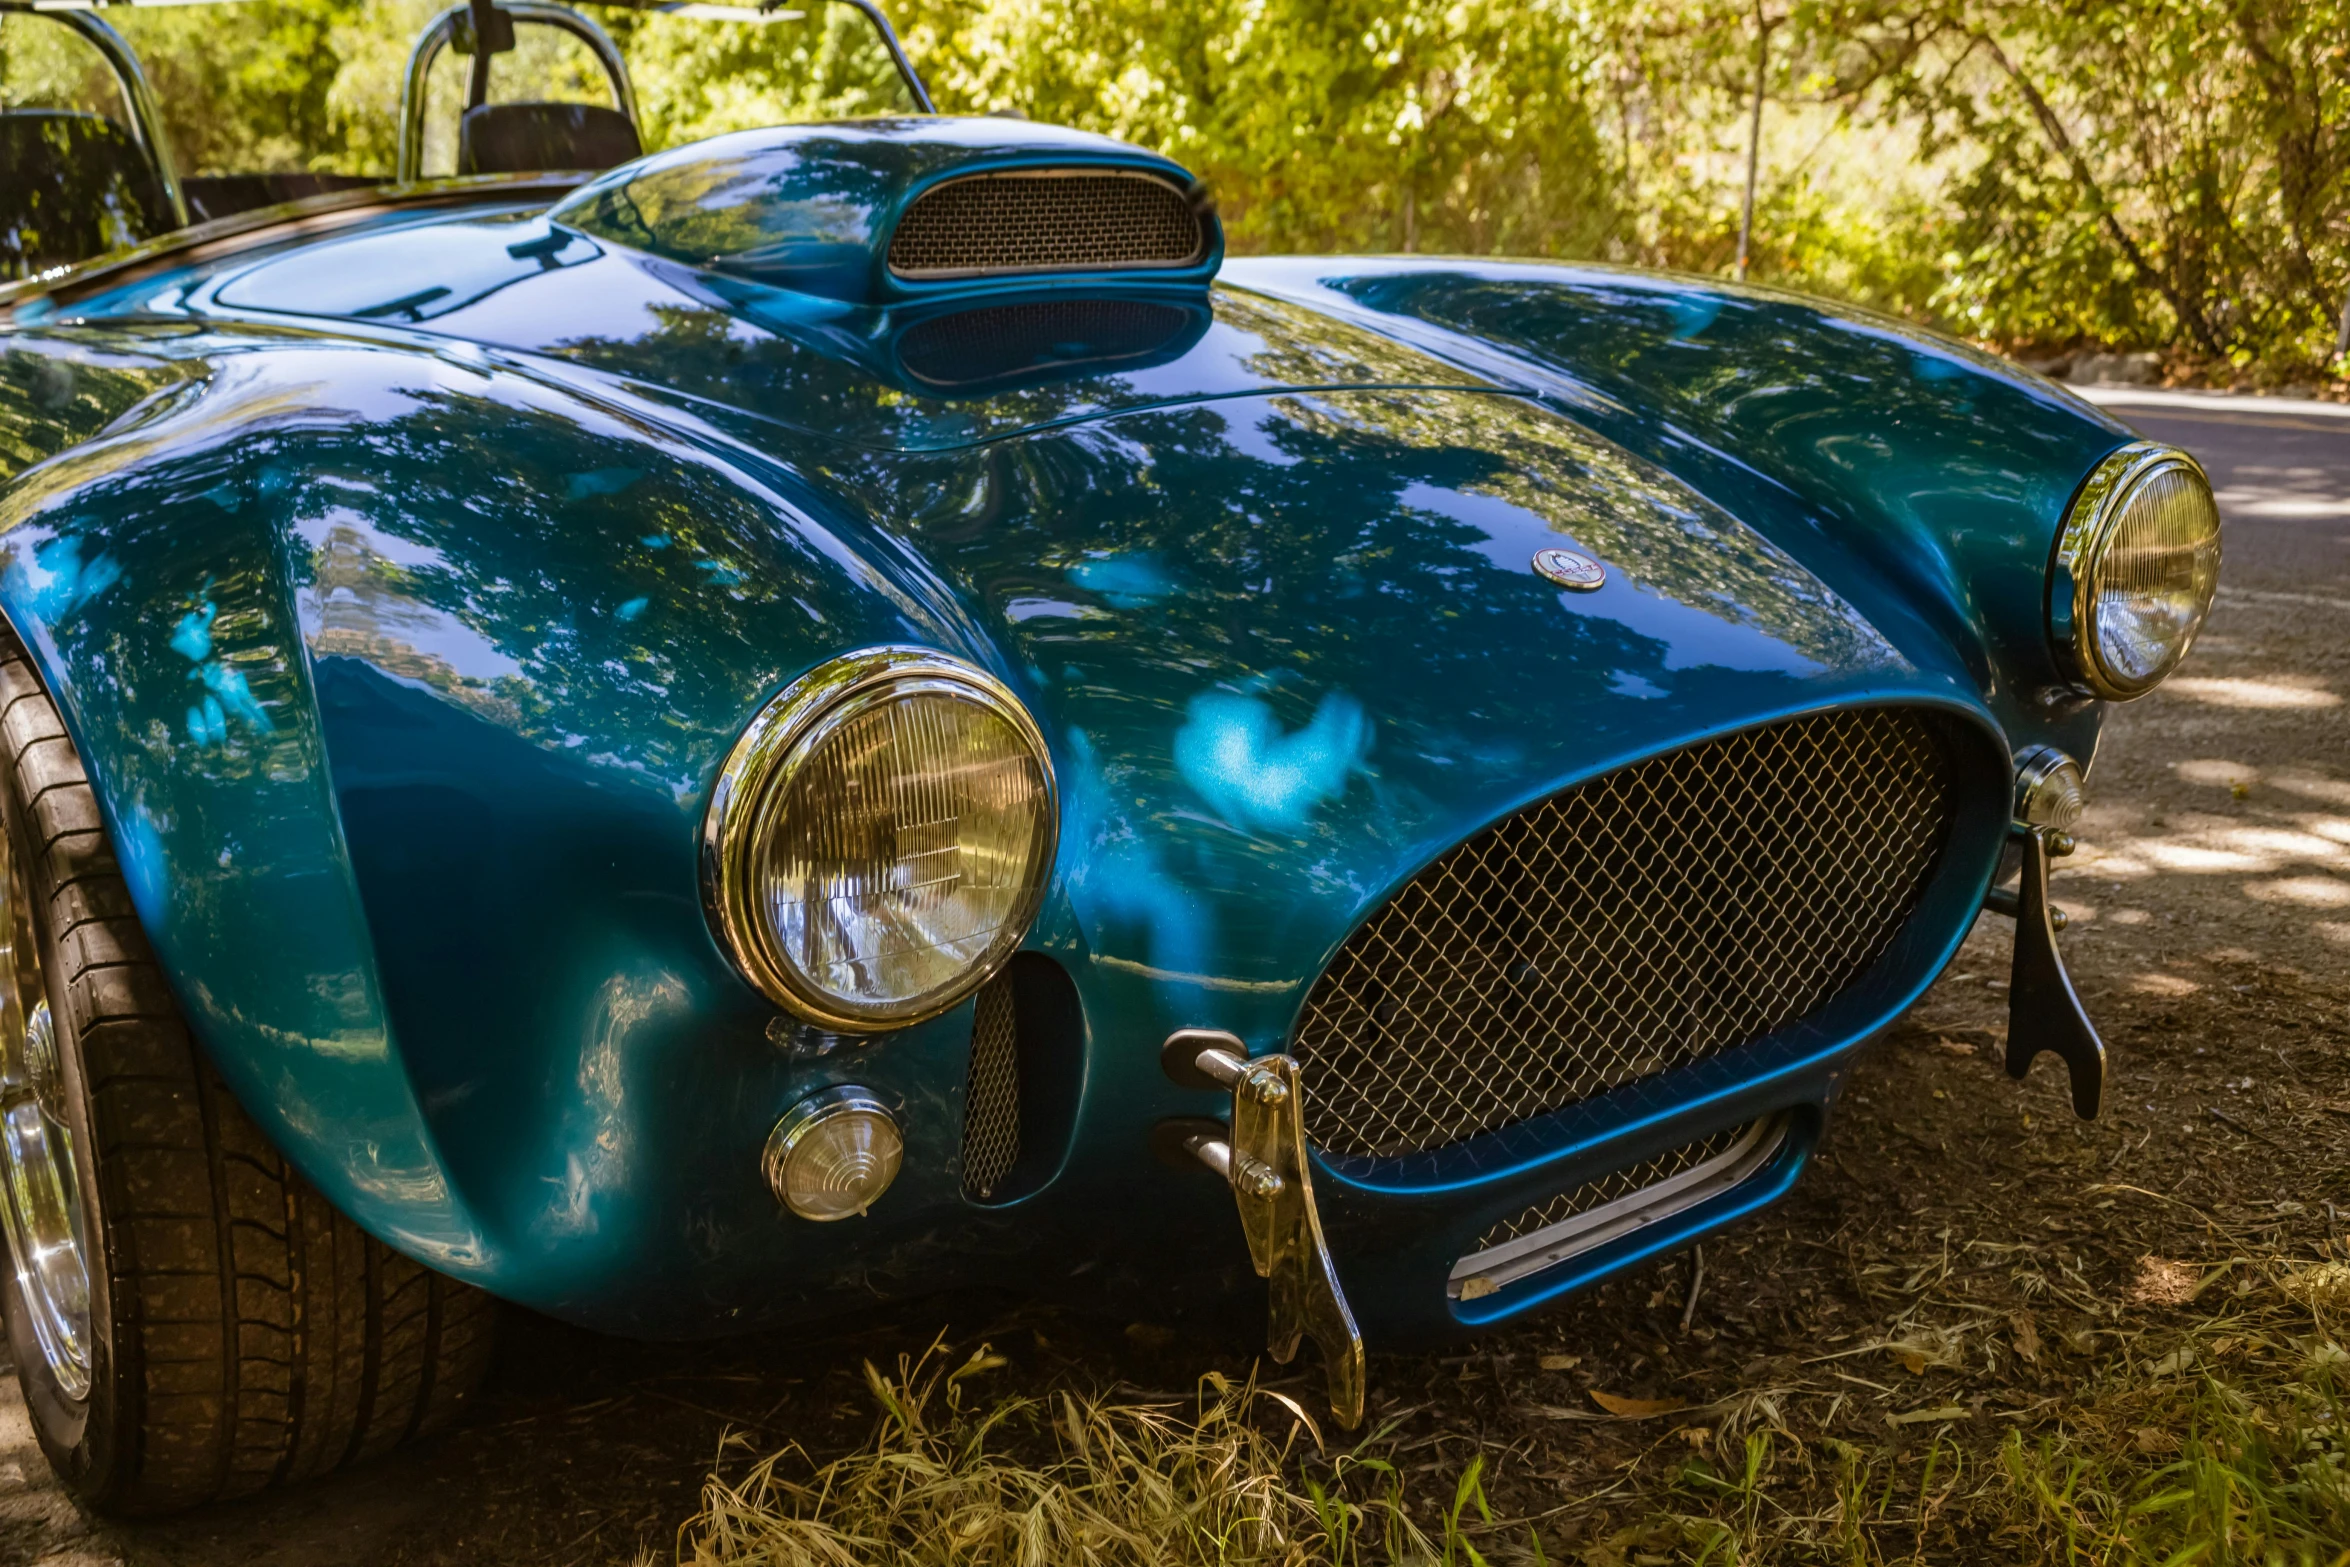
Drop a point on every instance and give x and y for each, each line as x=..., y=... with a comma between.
x=993, y=225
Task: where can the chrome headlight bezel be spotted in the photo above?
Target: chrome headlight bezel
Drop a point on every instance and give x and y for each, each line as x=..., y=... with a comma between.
x=2091, y=524
x=787, y=733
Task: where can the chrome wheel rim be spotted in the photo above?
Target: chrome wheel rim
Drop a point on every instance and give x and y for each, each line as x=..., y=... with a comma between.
x=41, y=1197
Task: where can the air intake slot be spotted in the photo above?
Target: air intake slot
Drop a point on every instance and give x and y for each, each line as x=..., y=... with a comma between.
x=1651, y=918
x=991, y=1096
x=1020, y=1091
x=988, y=225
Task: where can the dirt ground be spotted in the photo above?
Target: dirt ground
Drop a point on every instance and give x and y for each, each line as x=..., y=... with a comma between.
x=1964, y=1257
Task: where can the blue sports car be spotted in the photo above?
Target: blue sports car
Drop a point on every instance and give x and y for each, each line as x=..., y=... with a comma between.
x=702, y=739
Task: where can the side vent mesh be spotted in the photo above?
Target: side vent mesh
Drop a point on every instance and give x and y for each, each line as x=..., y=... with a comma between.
x=1008, y=223
x=991, y=1098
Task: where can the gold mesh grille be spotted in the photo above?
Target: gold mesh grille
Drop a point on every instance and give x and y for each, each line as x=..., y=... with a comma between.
x=1664, y=913
x=1612, y=1187
x=991, y=1099
x=1045, y=223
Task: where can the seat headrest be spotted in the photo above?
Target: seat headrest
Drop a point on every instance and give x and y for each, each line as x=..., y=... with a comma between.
x=523, y=138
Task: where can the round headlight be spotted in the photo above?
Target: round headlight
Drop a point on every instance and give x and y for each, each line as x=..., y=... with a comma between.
x=880, y=839
x=2136, y=567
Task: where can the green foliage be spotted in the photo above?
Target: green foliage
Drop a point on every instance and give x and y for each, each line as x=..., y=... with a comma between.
x=2120, y=173
x=1398, y=125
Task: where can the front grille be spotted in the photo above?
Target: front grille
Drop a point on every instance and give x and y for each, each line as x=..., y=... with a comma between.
x=1664, y=913
x=991, y=1095
x=993, y=223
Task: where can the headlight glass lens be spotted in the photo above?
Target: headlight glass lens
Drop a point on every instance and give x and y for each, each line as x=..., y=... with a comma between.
x=898, y=848
x=2145, y=562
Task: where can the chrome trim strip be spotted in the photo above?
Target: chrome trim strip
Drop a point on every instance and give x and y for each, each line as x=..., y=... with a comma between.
x=1555, y=1243
x=308, y=217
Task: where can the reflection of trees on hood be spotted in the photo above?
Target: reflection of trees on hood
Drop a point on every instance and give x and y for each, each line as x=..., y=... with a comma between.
x=1298, y=546
x=620, y=595
x=834, y=373
x=1750, y=369
x=1634, y=516
x=49, y=400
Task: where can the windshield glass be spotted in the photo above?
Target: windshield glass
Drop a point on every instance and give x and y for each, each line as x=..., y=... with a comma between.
x=314, y=87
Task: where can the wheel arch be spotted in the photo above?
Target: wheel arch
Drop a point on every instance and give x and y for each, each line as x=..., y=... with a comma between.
x=146, y=573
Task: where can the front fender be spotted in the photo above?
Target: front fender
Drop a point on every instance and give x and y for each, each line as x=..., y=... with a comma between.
x=156, y=595
x=1841, y=435
x=320, y=604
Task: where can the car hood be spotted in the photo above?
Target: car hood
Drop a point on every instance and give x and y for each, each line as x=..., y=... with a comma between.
x=924, y=375
x=1291, y=647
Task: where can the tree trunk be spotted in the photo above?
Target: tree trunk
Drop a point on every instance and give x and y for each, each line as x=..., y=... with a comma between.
x=2189, y=315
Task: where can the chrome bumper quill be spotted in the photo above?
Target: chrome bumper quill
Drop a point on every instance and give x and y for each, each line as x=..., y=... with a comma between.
x=1266, y=1164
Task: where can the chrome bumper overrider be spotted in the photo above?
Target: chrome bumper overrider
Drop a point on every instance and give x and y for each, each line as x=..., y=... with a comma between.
x=1265, y=1162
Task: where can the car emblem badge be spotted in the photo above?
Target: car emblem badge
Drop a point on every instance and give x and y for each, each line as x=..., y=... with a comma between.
x=1569, y=570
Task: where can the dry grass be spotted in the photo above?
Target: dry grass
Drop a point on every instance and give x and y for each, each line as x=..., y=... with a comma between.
x=1239, y=1479
x=2226, y=1449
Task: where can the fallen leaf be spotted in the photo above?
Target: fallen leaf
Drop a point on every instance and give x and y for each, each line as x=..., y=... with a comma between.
x=1561, y=1362
x=1912, y=1362
x=2173, y=1363
x=2025, y=1334
x=2150, y=1440
x=1477, y=1287
x=1637, y=1408
x=1696, y=1436
x=1951, y=1047
x=1919, y=1417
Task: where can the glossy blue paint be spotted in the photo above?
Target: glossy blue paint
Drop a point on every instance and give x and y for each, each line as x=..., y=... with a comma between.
x=810, y=208
x=404, y=590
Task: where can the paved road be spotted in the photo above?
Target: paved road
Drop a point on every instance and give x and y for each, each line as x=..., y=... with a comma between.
x=2218, y=844
x=2236, y=775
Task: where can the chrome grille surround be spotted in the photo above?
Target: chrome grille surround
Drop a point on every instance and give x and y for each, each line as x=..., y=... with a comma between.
x=986, y=225
x=1647, y=919
x=991, y=1094
x=1614, y=1206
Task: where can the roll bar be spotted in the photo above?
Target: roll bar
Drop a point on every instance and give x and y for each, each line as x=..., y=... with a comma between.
x=137, y=96
x=443, y=30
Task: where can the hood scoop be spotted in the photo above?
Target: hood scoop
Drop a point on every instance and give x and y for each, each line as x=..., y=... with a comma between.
x=890, y=212
x=1052, y=220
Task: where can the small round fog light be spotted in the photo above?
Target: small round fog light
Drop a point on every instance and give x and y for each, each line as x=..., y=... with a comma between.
x=2048, y=790
x=833, y=1154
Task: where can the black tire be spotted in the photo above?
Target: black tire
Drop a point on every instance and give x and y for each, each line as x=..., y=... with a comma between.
x=241, y=1331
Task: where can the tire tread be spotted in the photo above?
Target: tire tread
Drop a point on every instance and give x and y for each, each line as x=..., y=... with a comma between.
x=259, y=1335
